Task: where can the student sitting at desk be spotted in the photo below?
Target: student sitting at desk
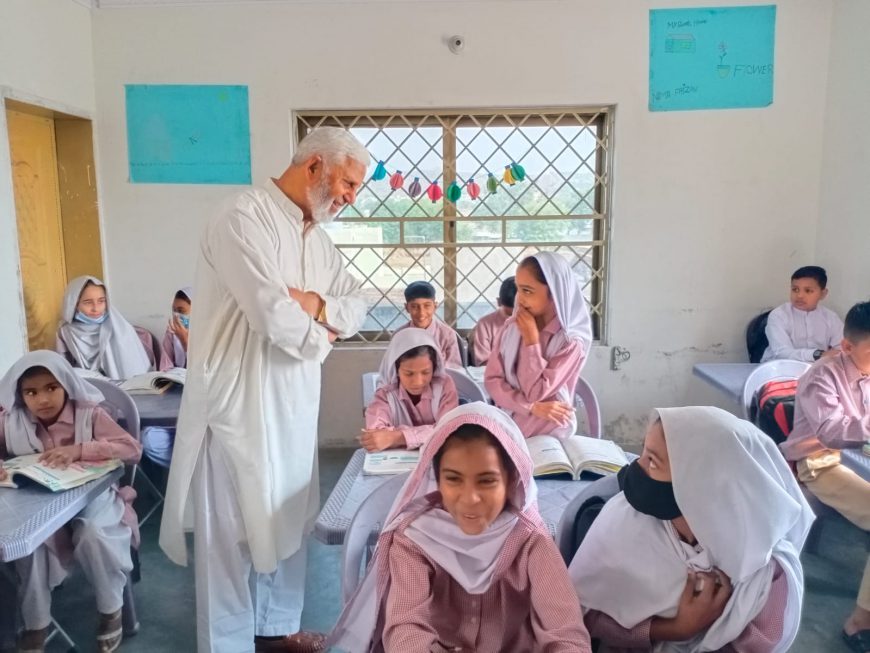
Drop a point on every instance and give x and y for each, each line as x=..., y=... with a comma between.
x=832, y=412
x=413, y=393
x=50, y=409
x=800, y=329
x=465, y=562
x=537, y=356
x=488, y=326
x=699, y=552
x=95, y=336
x=420, y=304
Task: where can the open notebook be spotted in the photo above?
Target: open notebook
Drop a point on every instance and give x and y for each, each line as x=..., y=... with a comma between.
x=390, y=461
x=154, y=383
x=54, y=479
x=574, y=455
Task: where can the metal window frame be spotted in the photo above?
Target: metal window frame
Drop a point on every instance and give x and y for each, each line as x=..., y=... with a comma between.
x=600, y=116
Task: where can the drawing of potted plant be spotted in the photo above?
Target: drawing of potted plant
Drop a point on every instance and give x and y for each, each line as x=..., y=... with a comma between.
x=723, y=70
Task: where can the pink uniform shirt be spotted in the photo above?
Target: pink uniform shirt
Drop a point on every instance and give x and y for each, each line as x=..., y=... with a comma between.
x=484, y=335
x=423, y=413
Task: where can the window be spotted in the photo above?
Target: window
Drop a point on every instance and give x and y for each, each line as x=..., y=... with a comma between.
x=390, y=238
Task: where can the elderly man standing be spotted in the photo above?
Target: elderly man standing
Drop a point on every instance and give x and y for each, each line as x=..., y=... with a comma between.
x=268, y=281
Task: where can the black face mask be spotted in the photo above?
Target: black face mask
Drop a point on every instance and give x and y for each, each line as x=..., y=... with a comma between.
x=646, y=495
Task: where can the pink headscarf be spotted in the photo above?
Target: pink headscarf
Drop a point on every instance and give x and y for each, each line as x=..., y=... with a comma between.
x=469, y=559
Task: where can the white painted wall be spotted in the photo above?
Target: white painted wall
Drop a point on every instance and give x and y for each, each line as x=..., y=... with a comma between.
x=844, y=214
x=45, y=58
x=712, y=209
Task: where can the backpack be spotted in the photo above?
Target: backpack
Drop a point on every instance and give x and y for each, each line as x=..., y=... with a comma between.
x=756, y=338
x=583, y=521
x=774, y=408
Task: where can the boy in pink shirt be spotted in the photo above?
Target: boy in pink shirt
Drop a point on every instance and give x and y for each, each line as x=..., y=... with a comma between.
x=421, y=305
x=489, y=325
x=832, y=412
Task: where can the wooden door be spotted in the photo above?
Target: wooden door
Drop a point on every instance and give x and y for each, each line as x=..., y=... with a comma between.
x=40, y=231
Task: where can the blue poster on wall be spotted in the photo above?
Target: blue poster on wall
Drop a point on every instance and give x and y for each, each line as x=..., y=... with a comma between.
x=711, y=58
x=186, y=134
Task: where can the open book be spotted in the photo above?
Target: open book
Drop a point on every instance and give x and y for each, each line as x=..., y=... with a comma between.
x=53, y=478
x=574, y=455
x=154, y=383
x=390, y=461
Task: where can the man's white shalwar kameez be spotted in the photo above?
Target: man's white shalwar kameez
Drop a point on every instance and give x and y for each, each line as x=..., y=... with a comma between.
x=246, y=445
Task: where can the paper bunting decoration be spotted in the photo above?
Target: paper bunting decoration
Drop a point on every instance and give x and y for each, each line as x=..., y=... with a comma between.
x=508, y=176
x=415, y=189
x=492, y=183
x=454, y=192
x=434, y=192
x=473, y=189
x=518, y=172
x=397, y=180
x=380, y=172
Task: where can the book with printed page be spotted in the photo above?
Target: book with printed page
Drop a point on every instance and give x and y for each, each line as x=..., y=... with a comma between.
x=574, y=455
x=55, y=479
x=155, y=383
x=390, y=461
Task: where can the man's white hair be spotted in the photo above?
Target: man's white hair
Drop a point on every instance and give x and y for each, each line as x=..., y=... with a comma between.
x=334, y=144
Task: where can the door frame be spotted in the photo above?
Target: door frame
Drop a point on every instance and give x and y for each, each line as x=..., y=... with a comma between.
x=13, y=328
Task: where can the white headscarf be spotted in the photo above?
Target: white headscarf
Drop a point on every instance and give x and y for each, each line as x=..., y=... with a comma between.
x=402, y=342
x=112, y=348
x=178, y=351
x=20, y=427
x=743, y=505
x=573, y=314
x=469, y=559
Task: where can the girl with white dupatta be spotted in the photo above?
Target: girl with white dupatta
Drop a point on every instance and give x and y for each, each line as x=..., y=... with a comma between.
x=95, y=336
x=412, y=394
x=49, y=409
x=699, y=552
x=537, y=357
x=465, y=562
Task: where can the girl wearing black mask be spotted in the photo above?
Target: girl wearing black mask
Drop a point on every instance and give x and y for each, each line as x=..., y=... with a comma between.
x=699, y=552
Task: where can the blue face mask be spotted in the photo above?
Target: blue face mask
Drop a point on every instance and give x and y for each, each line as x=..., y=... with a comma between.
x=85, y=319
x=184, y=319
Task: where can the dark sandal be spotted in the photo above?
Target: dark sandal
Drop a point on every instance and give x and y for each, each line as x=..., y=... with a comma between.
x=859, y=642
x=302, y=642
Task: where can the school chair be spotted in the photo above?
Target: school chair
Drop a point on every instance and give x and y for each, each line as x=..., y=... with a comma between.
x=362, y=534
x=584, y=393
x=154, y=350
x=369, y=386
x=580, y=512
x=469, y=347
x=123, y=409
x=463, y=349
x=466, y=387
x=778, y=370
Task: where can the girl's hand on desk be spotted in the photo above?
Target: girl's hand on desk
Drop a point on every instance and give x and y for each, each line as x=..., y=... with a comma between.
x=380, y=439
x=554, y=411
x=62, y=457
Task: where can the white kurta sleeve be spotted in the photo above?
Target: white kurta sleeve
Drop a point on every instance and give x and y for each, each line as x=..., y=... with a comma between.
x=345, y=306
x=779, y=339
x=245, y=261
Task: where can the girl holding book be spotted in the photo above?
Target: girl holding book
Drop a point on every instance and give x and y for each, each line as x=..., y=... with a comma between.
x=712, y=508
x=537, y=357
x=414, y=392
x=49, y=409
x=95, y=336
x=465, y=561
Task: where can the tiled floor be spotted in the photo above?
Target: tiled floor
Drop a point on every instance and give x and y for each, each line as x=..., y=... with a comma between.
x=165, y=596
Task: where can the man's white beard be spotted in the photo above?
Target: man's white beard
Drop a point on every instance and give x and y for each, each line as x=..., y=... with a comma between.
x=321, y=202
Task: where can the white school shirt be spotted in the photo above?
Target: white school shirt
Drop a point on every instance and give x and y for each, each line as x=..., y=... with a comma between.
x=794, y=334
x=254, y=364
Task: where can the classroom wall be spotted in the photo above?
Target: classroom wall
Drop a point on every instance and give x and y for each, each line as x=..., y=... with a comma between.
x=844, y=211
x=45, y=58
x=711, y=209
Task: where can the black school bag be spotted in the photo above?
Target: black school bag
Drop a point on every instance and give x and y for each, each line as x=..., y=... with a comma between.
x=774, y=408
x=756, y=338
